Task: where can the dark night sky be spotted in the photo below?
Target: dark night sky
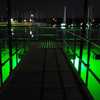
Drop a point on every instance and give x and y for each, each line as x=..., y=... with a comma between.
x=50, y=7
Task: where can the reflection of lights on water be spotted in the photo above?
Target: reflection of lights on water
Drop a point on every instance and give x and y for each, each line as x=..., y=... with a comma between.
x=88, y=25
x=72, y=25
x=63, y=27
x=12, y=30
x=80, y=27
x=32, y=35
x=12, y=33
x=25, y=30
x=81, y=23
x=30, y=32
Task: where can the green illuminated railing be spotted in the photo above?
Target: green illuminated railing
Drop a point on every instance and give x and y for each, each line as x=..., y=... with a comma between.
x=12, y=49
x=19, y=48
x=85, y=56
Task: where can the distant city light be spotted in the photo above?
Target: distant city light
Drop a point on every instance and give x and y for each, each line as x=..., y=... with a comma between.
x=63, y=26
x=30, y=20
x=24, y=20
x=30, y=32
x=32, y=15
x=12, y=19
x=72, y=25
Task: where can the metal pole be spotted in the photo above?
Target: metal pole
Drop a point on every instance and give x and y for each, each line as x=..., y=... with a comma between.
x=64, y=19
x=0, y=65
x=65, y=14
x=83, y=33
x=89, y=43
x=9, y=33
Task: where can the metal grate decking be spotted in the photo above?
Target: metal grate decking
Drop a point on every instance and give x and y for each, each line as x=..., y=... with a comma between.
x=44, y=75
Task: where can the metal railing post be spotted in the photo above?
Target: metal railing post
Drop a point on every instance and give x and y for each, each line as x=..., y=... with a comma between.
x=9, y=33
x=83, y=33
x=1, y=64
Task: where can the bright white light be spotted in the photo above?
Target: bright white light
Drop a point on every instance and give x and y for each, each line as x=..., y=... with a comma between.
x=30, y=32
x=24, y=20
x=12, y=19
x=72, y=25
x=12, y=33
x=30, y=20
x=12, y=30
x=81, y=23
x=32, y=35
x=76, y=62
x=88, y=25
x=63, y=26
x=32, y=15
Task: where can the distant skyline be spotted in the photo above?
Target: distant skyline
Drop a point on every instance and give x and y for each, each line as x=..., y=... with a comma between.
x=49, y=7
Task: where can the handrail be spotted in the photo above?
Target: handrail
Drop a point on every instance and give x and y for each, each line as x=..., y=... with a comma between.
x=85, y=40
x=94, y=75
